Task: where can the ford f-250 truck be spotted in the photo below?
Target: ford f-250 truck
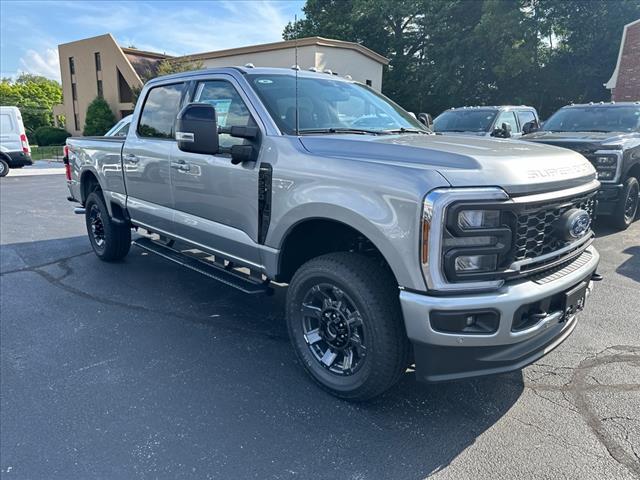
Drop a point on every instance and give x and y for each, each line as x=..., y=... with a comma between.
x=608, y=135
x=463, y=256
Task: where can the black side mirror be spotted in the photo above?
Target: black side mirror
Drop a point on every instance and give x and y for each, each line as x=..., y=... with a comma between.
x=506, y=129
x=530, y=127
x=426, y=119
x=197, y=129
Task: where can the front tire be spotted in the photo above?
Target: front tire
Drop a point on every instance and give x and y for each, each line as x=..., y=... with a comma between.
x=4, y=168
x=111, y=241
x=346, y=327
x=627, y=207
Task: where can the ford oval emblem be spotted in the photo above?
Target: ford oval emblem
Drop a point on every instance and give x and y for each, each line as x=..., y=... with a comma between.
x=574, y=224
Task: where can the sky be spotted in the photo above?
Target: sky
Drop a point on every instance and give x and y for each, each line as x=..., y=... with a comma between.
x=30, y=31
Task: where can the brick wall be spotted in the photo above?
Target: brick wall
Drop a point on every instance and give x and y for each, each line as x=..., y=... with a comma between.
x=628, y=84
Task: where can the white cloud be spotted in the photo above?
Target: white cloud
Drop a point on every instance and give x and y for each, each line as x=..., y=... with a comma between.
x=46, y=63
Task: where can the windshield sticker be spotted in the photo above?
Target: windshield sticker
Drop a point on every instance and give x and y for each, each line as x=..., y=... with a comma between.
x=222, y=109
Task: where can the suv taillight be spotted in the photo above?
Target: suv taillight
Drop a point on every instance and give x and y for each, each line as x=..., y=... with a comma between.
x=25, y=144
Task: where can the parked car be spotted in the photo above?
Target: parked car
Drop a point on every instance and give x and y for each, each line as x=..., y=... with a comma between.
x=15, y=151
x=398, y=248
x=501, y=121
x=608, y=135
x=121, y=128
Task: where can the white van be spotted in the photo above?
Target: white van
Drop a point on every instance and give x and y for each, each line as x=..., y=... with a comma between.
x=14, y=145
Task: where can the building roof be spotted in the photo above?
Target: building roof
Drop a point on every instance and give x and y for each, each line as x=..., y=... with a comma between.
x=301, y=42
x=144, y=63
x=613, y=81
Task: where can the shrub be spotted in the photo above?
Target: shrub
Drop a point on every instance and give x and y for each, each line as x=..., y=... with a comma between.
x=99, y=118
x=46, y=136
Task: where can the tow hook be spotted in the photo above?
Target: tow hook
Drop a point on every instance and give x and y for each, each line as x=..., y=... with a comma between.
x=596, y=277
x=79, y=210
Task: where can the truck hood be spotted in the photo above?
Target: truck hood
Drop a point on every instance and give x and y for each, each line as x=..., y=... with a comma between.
x=585, y=142
x=517, y=167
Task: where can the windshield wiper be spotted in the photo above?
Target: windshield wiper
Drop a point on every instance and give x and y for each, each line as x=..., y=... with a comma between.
x=405, y=130
x=360, y=131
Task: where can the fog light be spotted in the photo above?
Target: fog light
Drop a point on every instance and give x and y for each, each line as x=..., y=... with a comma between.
x=476, y=263
x=478, y=321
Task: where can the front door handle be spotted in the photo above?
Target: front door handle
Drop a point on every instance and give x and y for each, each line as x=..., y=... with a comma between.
x=131, y=158
x=181, y=166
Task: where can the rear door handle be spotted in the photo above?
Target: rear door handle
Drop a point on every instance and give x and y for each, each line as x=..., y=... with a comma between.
x=131, y=158
x=181, y=165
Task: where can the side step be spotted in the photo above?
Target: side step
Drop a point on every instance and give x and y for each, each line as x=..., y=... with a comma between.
x=232, y=278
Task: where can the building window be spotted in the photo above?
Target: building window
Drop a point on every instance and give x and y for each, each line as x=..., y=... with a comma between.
x=124, y=90
x=100, y=88
x=369, y=83
x=76, y=122
x=74, y=92
x=72, y=66
x=98, y=61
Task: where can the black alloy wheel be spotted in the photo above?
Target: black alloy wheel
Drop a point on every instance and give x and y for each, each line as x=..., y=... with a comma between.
x=333, y=329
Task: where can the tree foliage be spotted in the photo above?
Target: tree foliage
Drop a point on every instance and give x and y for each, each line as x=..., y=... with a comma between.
x=99, y=118
x=167, y=67
x=446, y=53
x=47, y=135
x=34, y=95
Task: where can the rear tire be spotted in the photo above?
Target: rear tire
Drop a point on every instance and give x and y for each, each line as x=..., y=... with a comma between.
x=627, y=207
x=110, y=241
x=4, y=168
x=346, y=325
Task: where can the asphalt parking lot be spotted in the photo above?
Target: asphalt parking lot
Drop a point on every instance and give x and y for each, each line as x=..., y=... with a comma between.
x=140, y=369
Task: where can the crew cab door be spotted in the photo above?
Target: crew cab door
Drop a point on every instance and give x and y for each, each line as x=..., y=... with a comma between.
x=216, y=202
x=146, y=158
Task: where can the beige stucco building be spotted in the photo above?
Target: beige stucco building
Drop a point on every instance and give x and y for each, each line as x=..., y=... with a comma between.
x=99, y=66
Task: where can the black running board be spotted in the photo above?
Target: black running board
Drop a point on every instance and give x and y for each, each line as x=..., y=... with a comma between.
x=228, y=276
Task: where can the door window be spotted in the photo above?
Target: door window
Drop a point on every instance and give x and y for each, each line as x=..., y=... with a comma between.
x=159, y=111
x=510, y=119
x=230, y=108
x=526, y=116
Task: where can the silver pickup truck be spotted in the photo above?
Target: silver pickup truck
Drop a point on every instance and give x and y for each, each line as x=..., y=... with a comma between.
x=462, y=256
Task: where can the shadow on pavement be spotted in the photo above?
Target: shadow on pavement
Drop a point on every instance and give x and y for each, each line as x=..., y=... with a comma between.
x=141, y=369
x=631, y=267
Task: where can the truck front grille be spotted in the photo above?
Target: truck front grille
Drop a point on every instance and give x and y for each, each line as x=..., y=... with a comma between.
x=536, y=226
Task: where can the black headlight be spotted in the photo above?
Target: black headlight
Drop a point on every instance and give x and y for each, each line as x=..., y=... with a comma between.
x=606, y=164
x=476, y=239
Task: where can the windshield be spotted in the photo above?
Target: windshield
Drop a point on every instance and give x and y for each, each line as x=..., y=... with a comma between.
x=595, y=119
x=330, y=106
x=464, y=121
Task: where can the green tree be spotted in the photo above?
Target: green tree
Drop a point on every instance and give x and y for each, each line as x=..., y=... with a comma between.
x=34, y=95
x=99, y=118
x=446, y=53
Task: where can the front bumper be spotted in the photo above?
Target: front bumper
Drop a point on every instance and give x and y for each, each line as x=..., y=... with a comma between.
x=19, y=159
x=443, y=356
x=608, y=197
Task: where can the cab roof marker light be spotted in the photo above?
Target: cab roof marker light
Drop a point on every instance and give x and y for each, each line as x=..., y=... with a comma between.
x=249, y=65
